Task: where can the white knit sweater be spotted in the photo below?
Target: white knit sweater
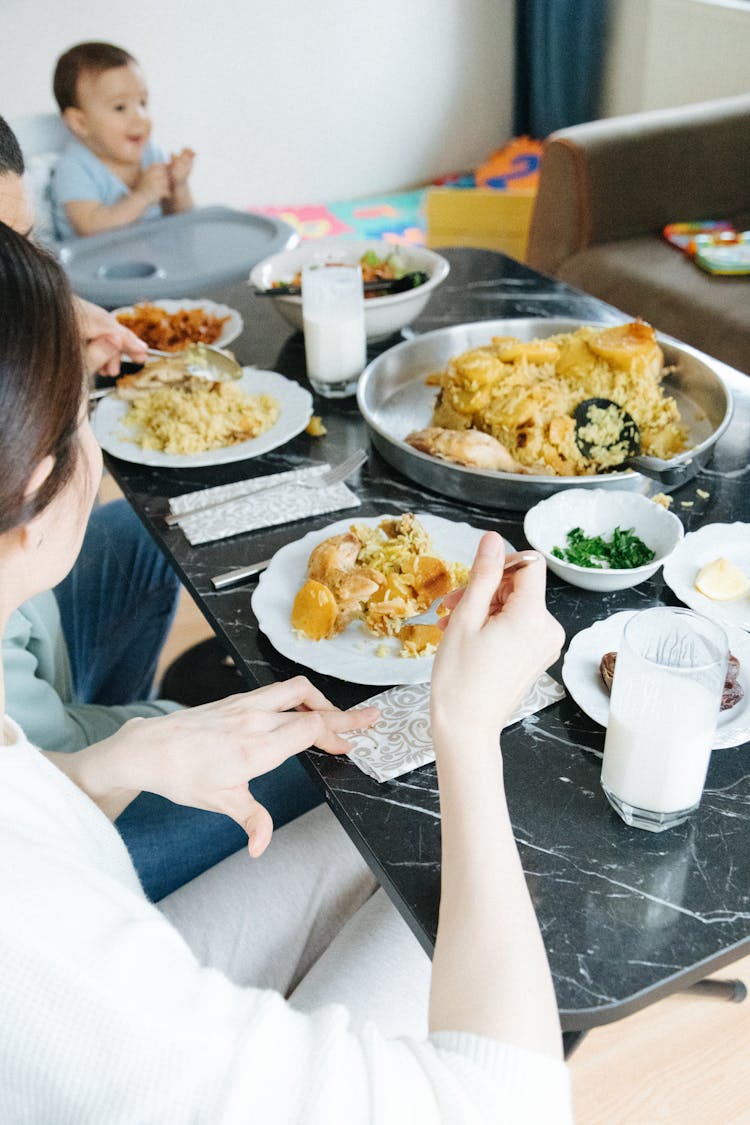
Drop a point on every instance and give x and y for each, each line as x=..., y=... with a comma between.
x=106, y=1018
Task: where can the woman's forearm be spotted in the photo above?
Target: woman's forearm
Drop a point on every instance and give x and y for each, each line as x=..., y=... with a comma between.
x=91, y=769
x=490, y=974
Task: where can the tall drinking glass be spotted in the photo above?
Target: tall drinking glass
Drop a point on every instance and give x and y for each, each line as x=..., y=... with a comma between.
x=665, y=701
x=333, y=318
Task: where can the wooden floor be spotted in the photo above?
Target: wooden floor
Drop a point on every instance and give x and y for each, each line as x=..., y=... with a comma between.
x=679, y=1062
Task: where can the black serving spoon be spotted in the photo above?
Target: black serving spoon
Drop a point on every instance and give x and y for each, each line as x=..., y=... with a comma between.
x=381, y=287
x=625, y=444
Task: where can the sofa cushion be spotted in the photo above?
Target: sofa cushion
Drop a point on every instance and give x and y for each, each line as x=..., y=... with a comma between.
x=646, y=277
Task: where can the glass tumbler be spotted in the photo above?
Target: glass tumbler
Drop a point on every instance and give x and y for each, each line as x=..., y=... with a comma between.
x=333, y=318
x=666, y=696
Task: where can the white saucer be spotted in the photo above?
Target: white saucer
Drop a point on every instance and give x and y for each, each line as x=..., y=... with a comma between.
x=581, y=676
x=715, y=540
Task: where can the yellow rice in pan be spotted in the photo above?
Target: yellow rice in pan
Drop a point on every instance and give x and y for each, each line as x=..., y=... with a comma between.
x=524, y=393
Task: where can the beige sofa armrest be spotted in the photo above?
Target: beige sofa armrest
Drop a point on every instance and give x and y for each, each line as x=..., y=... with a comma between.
x=626, y=176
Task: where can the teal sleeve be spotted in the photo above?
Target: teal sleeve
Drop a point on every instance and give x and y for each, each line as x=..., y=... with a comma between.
x=47, y=719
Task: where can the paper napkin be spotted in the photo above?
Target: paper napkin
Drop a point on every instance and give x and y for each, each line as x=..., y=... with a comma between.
x=247, y=511
x=400, y=740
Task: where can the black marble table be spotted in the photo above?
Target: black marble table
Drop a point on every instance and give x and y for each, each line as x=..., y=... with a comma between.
x=627, y=916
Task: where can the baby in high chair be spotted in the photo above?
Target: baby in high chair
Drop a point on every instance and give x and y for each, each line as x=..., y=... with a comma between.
x=110, y=173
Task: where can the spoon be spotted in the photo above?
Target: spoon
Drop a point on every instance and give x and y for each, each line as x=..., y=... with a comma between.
x=200, y=360
x=203, y=360
x=625, y=444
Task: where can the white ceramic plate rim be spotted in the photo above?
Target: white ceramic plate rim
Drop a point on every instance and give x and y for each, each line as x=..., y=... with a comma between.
x=351, y=655
x=580, y=673
x=231, y=330
x=712, y=541
x=295, y=413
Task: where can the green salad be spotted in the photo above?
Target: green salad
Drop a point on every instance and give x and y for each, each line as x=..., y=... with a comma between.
x=623, y=551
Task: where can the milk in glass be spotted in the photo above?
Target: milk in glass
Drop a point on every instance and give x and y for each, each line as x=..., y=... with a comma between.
x=665, y=702
x=333, y=319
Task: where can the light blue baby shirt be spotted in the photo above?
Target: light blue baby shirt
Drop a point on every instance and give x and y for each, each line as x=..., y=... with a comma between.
x=78, y=174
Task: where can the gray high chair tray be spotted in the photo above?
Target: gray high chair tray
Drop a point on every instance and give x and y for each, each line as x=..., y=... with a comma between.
x=173, y=256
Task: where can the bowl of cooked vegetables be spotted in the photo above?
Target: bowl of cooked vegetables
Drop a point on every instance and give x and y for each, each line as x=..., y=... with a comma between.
x=398, y=280
x=602, y=539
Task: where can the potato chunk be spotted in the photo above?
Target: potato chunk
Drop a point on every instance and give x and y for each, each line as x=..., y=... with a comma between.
x=315, y=611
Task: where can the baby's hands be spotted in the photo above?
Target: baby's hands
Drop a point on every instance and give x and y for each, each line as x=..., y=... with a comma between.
x=153, y=183
x=180, y=166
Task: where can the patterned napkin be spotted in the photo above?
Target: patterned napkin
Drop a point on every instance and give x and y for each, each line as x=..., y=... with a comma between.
x=400, y=740
x=249, y=512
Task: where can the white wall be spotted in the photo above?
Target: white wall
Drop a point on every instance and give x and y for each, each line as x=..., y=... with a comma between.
x=672, y=52
x=292, y=101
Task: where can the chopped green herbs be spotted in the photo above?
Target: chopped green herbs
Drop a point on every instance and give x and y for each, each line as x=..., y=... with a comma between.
x=623, y=551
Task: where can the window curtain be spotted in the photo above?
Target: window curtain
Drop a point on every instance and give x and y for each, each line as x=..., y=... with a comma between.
x=560, y=53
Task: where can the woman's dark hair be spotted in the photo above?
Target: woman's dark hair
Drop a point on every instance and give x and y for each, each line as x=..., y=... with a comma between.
x=41, y=377
x=11, y=157
x=84, y=58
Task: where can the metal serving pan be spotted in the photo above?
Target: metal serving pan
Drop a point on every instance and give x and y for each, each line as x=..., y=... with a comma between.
x=394, y=400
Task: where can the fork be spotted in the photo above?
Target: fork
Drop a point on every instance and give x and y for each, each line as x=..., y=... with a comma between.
x=333, y=475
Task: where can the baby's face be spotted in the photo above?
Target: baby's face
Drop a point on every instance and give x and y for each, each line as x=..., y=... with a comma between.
x=112, y=116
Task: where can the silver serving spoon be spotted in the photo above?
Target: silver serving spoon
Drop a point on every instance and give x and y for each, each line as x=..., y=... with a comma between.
x=203, y=360
x=626, y=445
x=200, y=360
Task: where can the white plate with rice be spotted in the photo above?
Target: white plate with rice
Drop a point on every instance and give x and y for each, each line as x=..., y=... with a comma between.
x=355, y=655
x=295, y=411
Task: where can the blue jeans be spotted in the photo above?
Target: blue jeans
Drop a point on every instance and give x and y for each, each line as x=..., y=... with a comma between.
x=116, y=607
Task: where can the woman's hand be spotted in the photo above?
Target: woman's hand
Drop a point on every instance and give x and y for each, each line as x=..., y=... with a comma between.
x=205, y=756
x=489, y=971
x=106, y=340
x=499, y=638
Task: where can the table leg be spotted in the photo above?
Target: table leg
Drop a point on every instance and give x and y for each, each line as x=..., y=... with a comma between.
x=733, y=990
x=571, y=1041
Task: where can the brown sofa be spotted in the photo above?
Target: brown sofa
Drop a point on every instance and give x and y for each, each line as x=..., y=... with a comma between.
x=606, y=190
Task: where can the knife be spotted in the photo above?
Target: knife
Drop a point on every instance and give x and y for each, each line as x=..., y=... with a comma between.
x=229, y=577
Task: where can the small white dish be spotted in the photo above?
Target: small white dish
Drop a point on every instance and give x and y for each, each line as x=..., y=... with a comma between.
x=296, y=410
x=581, y=676
x=712, y=541
x=352, y=655
x=231, y=329
x=599, y=511
x=383, y=315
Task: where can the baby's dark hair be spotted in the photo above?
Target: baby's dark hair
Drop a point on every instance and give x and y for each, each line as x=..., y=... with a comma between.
x=84, y=58
x=11, y=157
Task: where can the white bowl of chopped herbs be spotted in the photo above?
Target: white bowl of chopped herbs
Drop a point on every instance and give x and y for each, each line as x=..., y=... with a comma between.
x=602, y=539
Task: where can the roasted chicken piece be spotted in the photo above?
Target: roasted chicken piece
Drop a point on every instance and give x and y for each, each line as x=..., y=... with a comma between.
x=466, y=447
x=154, y=376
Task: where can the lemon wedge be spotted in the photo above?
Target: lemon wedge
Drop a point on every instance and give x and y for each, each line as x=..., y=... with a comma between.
x=722, y=581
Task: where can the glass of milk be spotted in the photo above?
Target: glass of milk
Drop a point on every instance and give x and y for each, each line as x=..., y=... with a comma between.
x=665, y=701
x=333, y=316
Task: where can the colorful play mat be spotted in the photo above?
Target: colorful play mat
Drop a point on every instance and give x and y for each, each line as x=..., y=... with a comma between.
x=400, y=217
